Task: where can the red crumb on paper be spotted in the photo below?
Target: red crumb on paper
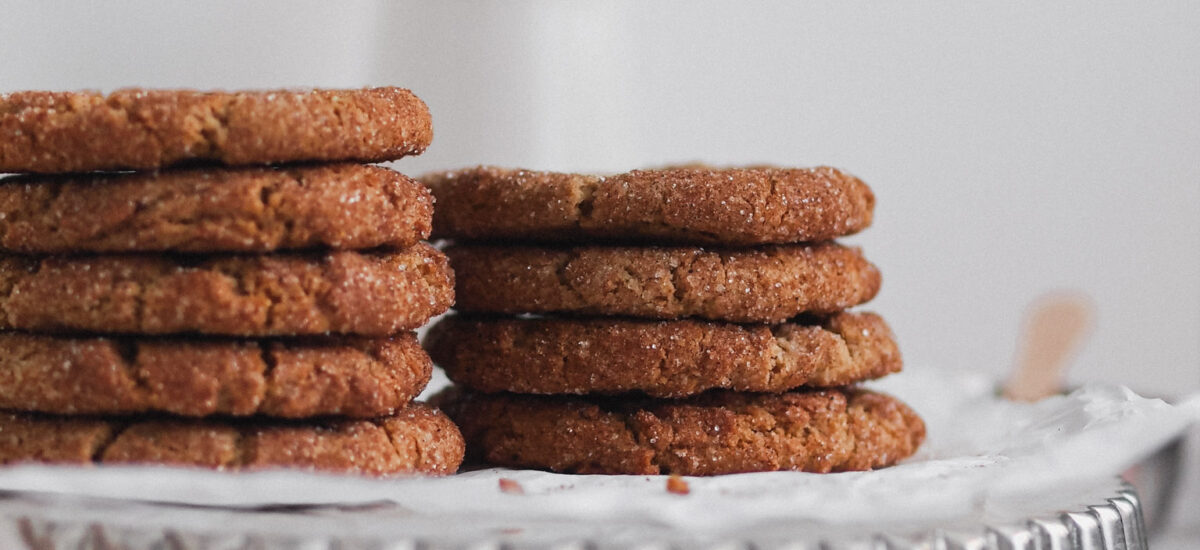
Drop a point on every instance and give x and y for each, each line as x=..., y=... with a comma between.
x=677, y=485
x=511, y=486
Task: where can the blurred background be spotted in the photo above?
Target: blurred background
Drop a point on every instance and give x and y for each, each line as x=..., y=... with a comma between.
x=1016, y=148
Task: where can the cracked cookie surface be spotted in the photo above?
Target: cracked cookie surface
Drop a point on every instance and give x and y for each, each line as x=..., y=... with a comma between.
x=416, y=440
x=135, y=129
x=340, y=206
x=364, y=293
x=352, y=377
x=710, y=434
x=695, y=204
x=659, y=358
x=768, y=284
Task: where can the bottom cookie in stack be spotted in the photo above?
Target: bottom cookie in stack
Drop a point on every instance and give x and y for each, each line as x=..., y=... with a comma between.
x=681, y=397
x=416, y=440
x=719, y=432
x=338, y=404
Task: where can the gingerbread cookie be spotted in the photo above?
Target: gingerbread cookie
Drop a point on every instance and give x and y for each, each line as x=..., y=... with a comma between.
x=713, y=433
x=340, y=206
x=354, y=377
x=133, y=129
x=660, y=358
x=767, y=284
x=701, y=205
x=416, y=440
x=365, y=293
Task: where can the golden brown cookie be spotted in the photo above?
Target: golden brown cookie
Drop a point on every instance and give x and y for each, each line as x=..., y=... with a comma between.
x=768, y=284
x=364, y=293
x=416, y=440
x=134, y=129
x=339, y=206
x=702, y=205
x=660, y=358
x=712, y=433
x=354, y=377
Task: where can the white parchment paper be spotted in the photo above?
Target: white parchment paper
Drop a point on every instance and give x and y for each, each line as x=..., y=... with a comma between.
x=985, y=459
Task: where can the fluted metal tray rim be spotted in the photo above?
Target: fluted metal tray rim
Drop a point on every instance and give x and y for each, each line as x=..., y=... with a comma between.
x=1116, y=524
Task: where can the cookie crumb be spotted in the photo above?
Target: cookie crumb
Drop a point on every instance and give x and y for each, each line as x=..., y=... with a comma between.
x=676, y=485
x=511, y=486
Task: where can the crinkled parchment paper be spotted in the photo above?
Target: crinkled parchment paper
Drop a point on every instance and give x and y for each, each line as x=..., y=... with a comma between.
x=985, y=459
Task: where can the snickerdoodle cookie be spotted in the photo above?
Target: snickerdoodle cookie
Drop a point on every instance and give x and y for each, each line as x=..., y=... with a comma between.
x=340, y=376
x=338, y=206
x=135, y=129
x=768, y=284
x=660, y=358
x=416, y=440
x=366, y=293
x=694, y=204
x=712, y=433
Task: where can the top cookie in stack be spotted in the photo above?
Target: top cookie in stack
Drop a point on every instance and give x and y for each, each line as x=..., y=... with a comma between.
x=697, y=312
x=218, y=254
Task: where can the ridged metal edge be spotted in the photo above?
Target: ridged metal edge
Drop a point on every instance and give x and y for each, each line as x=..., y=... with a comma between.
x=1114, y=525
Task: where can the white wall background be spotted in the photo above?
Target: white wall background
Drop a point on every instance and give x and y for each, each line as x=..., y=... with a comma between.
x=1015, y=150
x=1015, y=147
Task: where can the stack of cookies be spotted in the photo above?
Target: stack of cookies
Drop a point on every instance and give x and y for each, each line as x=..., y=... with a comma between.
x=176, y=287
x=685, y=320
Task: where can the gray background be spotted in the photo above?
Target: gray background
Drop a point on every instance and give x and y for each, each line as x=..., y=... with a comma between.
x=1016, y=147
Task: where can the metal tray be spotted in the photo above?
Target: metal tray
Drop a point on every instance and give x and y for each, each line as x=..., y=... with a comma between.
x=44, y=521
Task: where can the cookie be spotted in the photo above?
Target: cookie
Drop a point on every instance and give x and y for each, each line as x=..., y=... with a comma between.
x=660, y=358
x=340, y=206
x=417, y=440
x=695, y=204
x=134, y=129
x=713, y=433
x=365, y=293
x=768, y=284
x=354, y=377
